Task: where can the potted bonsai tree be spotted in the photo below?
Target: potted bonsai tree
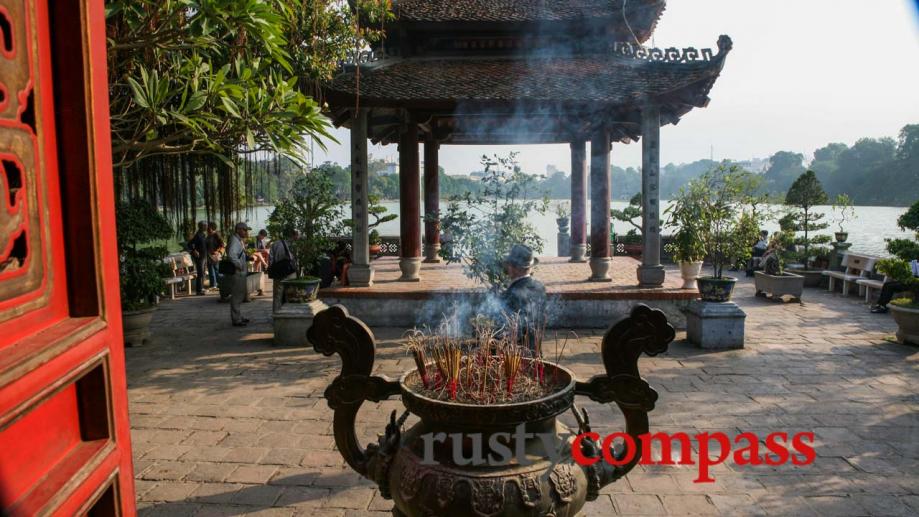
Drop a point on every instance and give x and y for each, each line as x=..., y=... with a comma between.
x=379, y=215
x=686, y=246
x=842, y=206
x=726, y=225
x=904, y=269
x=631, y=214
x=773, y=279
x=140, y=225
x=804, y=194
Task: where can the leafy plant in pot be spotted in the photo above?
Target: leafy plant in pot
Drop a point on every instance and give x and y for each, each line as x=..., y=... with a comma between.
x=313, y=208
x=484, y=226
x=686, y=247
x=142, y=269
x=563, y=214
x=726, y=224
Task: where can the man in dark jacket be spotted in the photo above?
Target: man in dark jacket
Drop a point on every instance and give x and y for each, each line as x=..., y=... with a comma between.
x=524, y=296
x=198, y=249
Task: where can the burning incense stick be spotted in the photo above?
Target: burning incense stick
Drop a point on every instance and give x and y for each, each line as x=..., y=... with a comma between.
x=511, y=364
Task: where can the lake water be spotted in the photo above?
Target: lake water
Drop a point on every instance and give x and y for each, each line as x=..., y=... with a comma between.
x=867, y=232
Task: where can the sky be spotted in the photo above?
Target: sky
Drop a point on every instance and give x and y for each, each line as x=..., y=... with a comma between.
x=802, y=73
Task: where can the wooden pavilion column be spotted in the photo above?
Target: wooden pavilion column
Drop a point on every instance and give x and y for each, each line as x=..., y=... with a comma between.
x=431, y=201
x=578, y=201
x=409, y=203
x=600, y=206
x=650, y=272
x=360, y=273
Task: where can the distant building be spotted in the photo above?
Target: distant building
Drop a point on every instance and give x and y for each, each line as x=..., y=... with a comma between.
x=392, y=168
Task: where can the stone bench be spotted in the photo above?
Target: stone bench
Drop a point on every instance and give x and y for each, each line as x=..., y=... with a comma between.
x=857, y=267
x=183, y=272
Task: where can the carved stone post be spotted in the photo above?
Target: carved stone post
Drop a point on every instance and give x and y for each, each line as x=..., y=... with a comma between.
x=360, y=274
x=600, y=206
x=651, y=272
x=578, y=201
x=431, y=201
x=409, y=203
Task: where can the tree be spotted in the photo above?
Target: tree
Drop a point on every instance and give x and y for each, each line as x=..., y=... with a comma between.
x=804, y=194
x=908, y=143
x=313, y=209
x=628, y=215
x=784, y=167
x=480, y=228
x=726, y=225
x=195, y=84
x=907, y=249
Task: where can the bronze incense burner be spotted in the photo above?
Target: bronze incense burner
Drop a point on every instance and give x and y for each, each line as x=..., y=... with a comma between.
x=422, y=477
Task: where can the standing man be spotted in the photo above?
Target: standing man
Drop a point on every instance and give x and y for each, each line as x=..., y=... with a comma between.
x=525, y=296
x=236, y=252
x=198, y=250
x=283, y=264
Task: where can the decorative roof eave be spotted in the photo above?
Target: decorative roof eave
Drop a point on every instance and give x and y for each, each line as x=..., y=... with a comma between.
x=700, y=68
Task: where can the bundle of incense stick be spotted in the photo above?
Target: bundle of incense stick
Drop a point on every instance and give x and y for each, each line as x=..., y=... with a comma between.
x=448, y=358
x=415, y=342
x=511, y=364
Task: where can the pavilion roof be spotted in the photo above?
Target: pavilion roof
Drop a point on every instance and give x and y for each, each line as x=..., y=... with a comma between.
x=619, y=82
x=519, y=10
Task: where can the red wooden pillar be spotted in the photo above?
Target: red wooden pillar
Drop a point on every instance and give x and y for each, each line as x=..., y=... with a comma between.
x=409, y=203
x=64, y=433
x=600, y=206
x=431, y=201
x=579, y=201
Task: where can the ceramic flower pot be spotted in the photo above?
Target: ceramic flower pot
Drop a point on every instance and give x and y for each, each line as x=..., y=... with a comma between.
x=716, y=289
x=690, y=272
x=423, y=483
x=301, y=290
x=842, y=236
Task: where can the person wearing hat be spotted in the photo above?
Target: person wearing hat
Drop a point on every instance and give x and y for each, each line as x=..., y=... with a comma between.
x=236, y=252
x=524, y=296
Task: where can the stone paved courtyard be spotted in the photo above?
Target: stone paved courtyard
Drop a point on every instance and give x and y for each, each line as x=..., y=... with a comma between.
x=225, y=424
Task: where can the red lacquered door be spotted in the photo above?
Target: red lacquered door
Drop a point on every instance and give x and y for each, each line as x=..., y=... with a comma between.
x=64, y=433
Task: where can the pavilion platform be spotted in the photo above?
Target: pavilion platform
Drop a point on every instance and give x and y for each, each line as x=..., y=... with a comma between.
x=573, y=301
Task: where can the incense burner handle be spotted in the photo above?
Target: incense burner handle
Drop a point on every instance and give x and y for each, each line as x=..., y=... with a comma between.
x=647, y=331
x=335, y=331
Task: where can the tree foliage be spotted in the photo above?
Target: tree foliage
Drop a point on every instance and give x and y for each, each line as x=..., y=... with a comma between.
x=481, y=227
x=804, y=194
x=221, y=79
x=726, y=225
x=142, y=270
x=312, y=208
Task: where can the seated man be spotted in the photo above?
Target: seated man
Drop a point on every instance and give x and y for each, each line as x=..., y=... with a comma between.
x=890, y=288
x=525, y=296
x=759, y=249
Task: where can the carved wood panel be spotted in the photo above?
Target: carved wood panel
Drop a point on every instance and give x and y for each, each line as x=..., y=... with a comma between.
x=24, y=265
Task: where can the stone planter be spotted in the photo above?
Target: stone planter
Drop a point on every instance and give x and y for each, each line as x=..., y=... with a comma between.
x=225, y=284
x=907, y=324
x=716, y=289
x=812, y=277
x=301, y=290
x=787, y=284
x=136, y=325
x=438, y=485
x=690, y=272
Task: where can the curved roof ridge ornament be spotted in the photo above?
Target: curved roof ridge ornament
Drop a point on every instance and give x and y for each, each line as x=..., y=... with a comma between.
x=628, y=49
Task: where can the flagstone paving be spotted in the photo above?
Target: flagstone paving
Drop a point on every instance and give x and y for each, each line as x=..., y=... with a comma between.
x=225, y=424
